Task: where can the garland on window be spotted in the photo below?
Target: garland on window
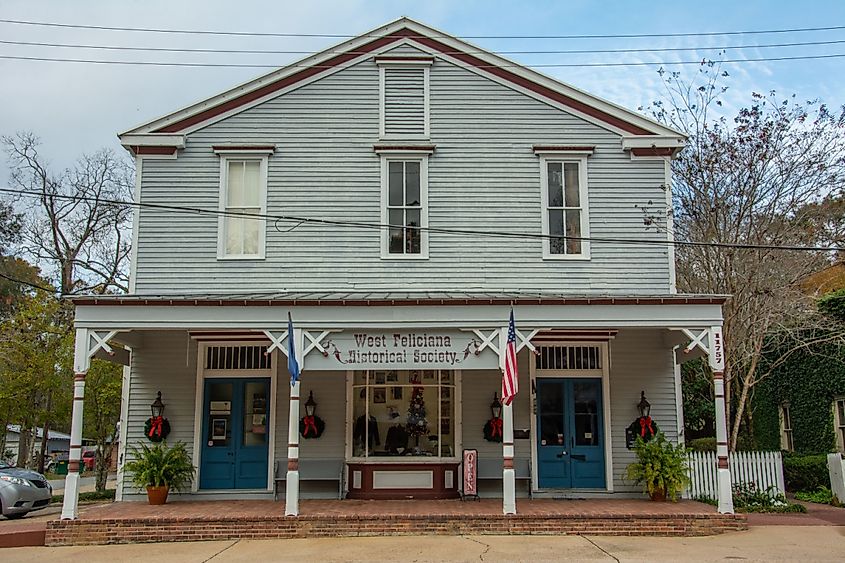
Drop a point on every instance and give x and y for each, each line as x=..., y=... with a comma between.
x=493, y=430
x=311, y=427
x=156, y=428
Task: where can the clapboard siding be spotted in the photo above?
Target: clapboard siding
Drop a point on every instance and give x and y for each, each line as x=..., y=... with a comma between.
x=482, y=176
x=640, y=361
x=167, y=362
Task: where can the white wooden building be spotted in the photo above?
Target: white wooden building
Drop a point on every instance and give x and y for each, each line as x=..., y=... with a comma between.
x=384, y=182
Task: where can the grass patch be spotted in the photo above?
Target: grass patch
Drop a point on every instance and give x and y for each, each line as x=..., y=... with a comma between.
x=108, y=494
x=822, y=495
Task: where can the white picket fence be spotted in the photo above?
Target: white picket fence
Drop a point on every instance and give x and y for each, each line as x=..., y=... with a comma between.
x=764, y=469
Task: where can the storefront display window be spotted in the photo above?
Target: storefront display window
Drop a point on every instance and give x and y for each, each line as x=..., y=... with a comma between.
x=403, y=413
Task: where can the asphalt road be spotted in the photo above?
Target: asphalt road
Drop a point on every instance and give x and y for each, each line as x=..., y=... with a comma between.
x=762, y=543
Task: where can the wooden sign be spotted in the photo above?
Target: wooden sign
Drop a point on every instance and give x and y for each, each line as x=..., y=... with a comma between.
x=470, y=473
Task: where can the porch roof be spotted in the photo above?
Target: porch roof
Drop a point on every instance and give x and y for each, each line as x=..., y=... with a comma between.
x=393, y=298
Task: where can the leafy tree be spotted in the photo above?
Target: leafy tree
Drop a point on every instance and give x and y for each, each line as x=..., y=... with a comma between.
x=770, y=177
x=102, y=412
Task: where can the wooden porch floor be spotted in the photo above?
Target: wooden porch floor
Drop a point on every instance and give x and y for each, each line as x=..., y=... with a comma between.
x=130, y=522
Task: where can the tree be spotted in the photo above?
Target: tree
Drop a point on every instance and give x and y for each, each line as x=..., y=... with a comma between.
x=73, y=228
x=102, y=412
x=768, y=178
x=36, y=351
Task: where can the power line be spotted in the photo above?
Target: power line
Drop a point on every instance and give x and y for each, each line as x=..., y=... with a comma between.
x=353, y=52
x=559, y=65
x=383, y=226
x=372, y=35
x=29, y=284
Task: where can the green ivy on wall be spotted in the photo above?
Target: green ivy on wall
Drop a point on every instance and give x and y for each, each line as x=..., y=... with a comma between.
x=808, y=382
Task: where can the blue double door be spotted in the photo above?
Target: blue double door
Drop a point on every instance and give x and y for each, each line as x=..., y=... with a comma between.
x=235, y=434
x=570, y=434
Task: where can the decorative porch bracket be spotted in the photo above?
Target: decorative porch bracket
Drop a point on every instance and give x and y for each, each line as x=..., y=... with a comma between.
x=714, y=348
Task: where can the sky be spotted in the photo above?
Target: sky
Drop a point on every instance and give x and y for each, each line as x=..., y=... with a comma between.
x=79, y=108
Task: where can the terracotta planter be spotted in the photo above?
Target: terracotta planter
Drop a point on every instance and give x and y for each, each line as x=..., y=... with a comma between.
x=659, y=495
x=157, y=495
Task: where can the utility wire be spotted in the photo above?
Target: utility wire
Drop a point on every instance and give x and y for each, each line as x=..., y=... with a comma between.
x=353, y=52
x=30, y=284
x=559, y=65
x=383, y=226
x=373, y=35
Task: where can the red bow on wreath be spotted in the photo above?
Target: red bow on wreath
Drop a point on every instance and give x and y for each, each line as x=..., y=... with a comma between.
x=310, y=425
x=495, y=427
x=156, y=425
x=645, y=422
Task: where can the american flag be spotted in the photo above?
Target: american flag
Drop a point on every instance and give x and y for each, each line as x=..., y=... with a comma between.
x=510, y=375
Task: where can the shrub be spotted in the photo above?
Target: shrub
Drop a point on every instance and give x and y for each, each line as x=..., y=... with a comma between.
x=660, y=466
x=748, y=498
x=702, y=445
x=805, y=472
x=822, y=495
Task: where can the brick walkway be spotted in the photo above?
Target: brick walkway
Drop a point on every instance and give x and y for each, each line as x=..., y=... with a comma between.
x=129, y=522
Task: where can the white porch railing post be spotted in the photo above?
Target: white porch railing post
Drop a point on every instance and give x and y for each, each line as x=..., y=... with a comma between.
x=81, y=363
x=508, y=474
x=717, y=364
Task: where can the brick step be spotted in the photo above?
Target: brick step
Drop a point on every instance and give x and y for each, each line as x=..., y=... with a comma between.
x=22, y=534
x=203, y=528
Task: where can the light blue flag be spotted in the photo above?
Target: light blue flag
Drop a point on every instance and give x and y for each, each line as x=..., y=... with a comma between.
x=293, y=365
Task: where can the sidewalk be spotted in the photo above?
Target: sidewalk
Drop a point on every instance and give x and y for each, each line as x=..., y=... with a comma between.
x=86, y=484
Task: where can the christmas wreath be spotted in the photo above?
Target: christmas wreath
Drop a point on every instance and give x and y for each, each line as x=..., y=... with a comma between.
x=644, y=427
x=156, y=428
x=311, y=427
x=493, y=430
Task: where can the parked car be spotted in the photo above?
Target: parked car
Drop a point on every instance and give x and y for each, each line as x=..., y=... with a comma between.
x=22, y=491
x=88, y=460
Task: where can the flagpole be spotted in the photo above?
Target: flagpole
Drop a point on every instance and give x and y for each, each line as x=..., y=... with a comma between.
x=292, y=478
x=508, y=475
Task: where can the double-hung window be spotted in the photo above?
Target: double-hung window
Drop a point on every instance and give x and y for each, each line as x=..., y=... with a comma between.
x=564, y=201
x=243, y=201
x=404, y=207
x=839, y=422
x=786, y=442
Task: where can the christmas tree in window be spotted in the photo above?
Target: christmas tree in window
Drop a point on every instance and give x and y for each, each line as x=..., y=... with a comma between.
x=417, y=424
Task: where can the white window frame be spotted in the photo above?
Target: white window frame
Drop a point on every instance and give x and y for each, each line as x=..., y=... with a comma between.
x=225, y=159
x=787, y=435
x=404, y=64
x=581, y=161
x=839, y=424
x=385, y=232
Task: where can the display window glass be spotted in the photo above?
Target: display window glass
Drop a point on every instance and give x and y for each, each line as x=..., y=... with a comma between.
x=403, y=413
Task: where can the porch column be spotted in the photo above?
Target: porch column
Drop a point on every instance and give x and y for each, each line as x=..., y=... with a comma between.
x=292, y=480
x=508, y=475
x=81, y=363
x=717, y=364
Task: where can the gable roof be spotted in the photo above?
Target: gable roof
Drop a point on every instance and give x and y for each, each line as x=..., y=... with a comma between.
x=168, y=131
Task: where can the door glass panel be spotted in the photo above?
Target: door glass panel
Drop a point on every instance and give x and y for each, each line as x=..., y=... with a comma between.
x=255, y=414
x=552, y=429
x=220, y=414
x=586, y=399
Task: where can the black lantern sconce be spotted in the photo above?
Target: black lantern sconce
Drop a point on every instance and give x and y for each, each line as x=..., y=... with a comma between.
x=496, y=407
x=310, y=404
x=157, y=408
x=644, y=406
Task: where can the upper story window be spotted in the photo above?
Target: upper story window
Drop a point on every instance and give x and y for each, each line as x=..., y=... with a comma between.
x=404, y=207
x=403, y=97
x=243, y=191
x=565, y=214
x=839, y=422
x=786, y=442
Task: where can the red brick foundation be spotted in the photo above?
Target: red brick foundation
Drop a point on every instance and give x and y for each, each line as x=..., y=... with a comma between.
x=198, y=524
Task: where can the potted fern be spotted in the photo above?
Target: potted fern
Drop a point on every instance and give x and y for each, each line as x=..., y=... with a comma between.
x=661, y=468
x=159, y=469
